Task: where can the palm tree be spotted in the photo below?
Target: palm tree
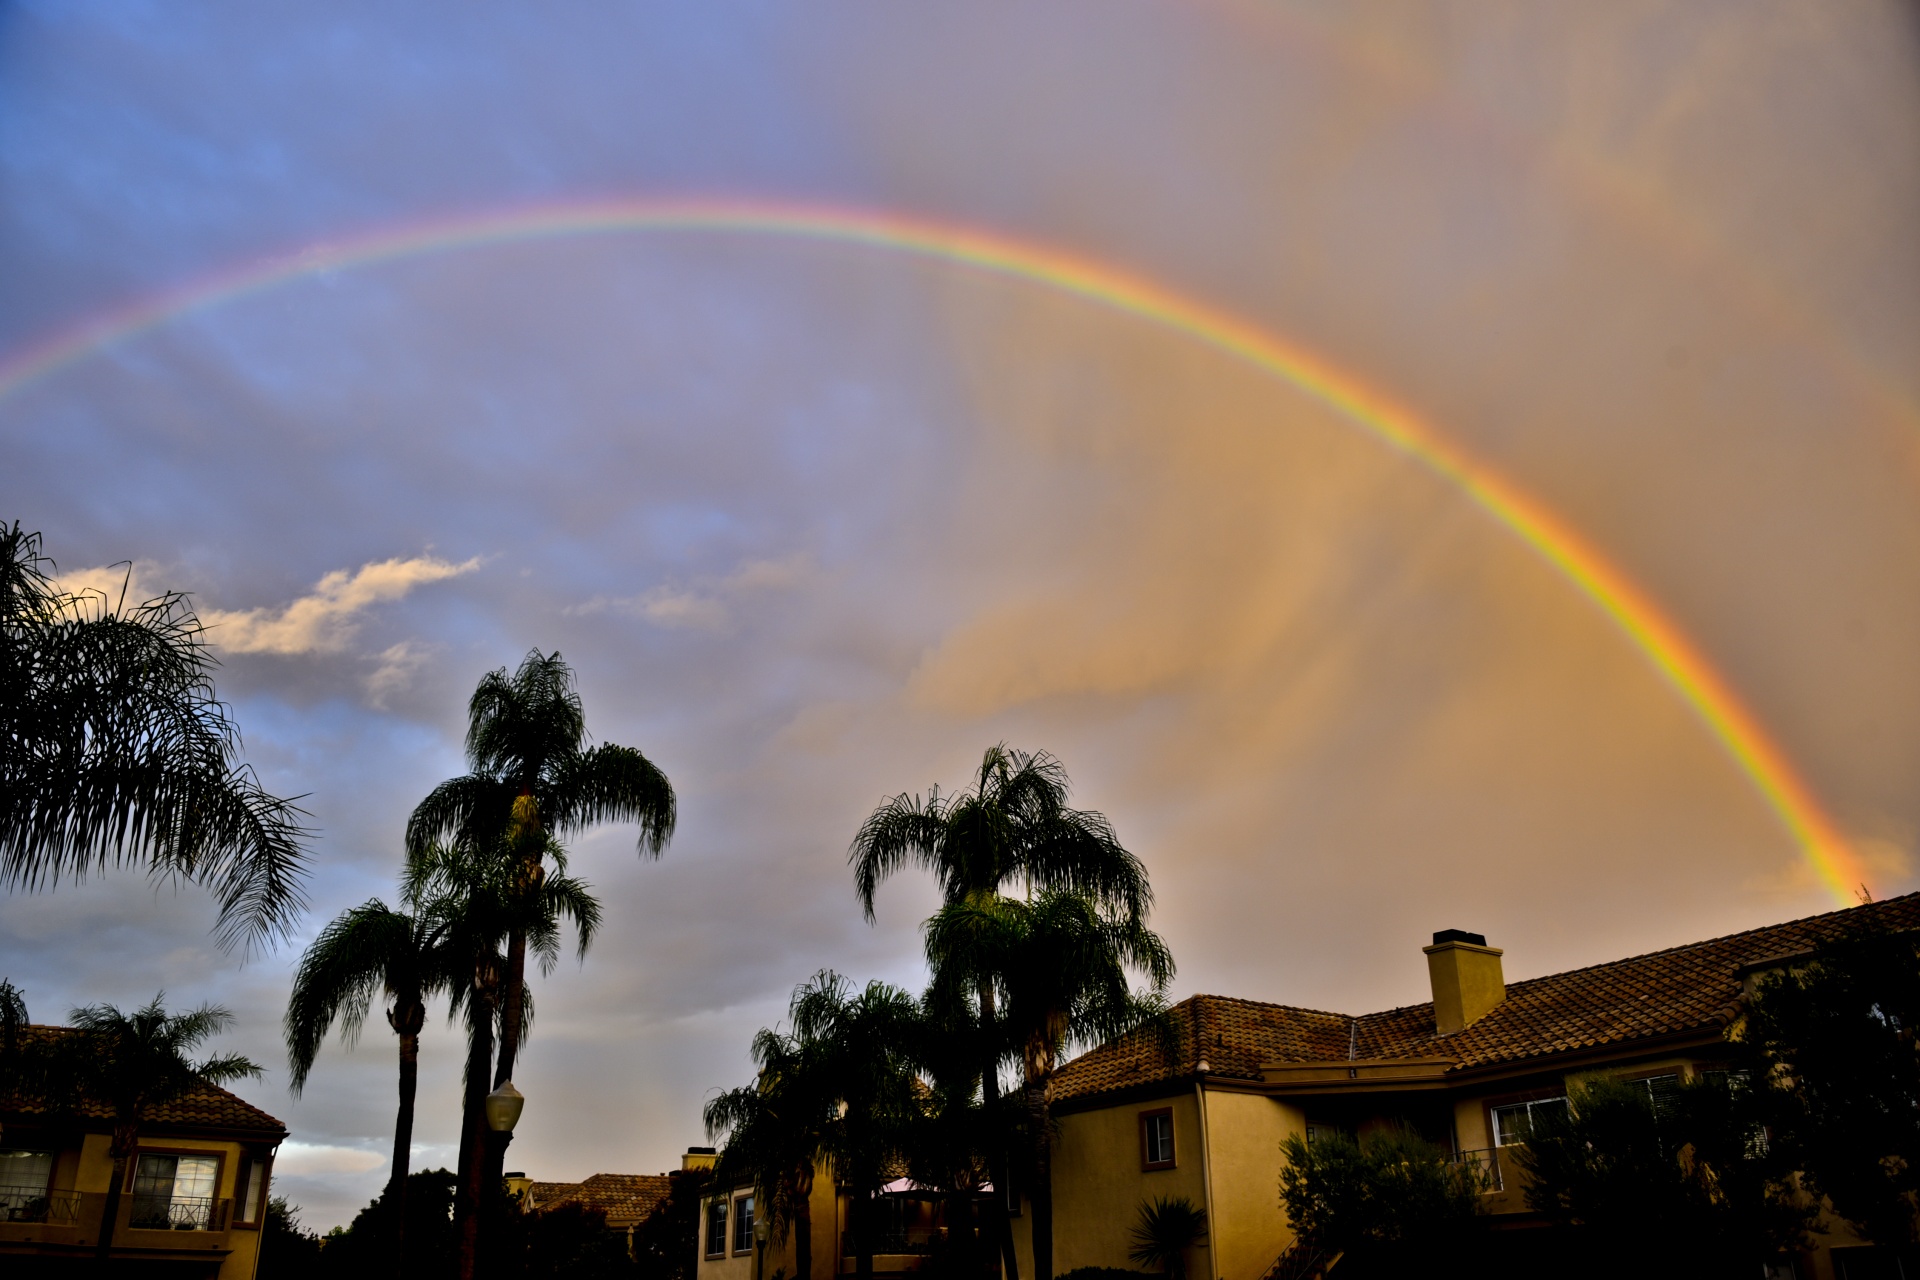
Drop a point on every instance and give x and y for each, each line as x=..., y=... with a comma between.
x=133, y=1062
x=1060, y=963
x=863, y=1040
x=1168, y=1226
x=114, y=750
x=369, y=948
x=776, y=1131
x=534, y=780
x=486, y=900
x=1012, y=824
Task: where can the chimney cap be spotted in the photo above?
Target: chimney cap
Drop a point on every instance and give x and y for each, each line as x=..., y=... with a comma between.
x=1459, y=935
x=700, y=1151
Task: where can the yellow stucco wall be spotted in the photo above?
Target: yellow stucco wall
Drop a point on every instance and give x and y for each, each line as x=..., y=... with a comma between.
x=1244, y=1133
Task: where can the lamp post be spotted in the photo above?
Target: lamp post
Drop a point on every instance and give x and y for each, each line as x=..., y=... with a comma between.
x=503, y=1107
x=759, y=1242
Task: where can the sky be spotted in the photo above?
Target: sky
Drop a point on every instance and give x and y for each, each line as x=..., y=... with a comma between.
x=817, y=522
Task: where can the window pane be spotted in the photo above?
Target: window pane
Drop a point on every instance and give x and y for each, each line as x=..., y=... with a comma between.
x=1664, y=1091
x=1510, y=1125
x=250, y=1194
x=25, y=1170
x=1547, y=1109
x=743, y=1223
x=193, y=1177
x=717, y=1227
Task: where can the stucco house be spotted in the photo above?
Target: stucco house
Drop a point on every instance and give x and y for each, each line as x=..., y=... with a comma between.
x=192, y=1204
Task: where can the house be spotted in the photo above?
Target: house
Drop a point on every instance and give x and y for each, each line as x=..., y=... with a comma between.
x=192, y=1203
x=1465, y=1069
x=627, y=1199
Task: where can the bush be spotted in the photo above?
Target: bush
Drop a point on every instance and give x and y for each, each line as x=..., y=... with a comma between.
x=288, y=1251
x=1392, y=1202
x=1099, y=1273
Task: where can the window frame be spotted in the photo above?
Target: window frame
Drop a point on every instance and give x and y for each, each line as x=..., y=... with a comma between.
x=219, y=1158
x=1494, y=1108
x=1145, y=1122
x=724, y=1204
x=742, y=1218
x=262, y=1159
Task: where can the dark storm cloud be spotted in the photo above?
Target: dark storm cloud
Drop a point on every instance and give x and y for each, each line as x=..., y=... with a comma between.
x=815, y=525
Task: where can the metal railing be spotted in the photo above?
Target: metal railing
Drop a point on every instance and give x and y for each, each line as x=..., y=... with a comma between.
x=178, y=1213
x=1489, y=1162
x=37, y=1204
x=919, y=1241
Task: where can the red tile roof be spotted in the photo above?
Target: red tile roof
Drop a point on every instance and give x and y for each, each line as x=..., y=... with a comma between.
x=202, y=1106
x=1694, y=988
x=626, y=1198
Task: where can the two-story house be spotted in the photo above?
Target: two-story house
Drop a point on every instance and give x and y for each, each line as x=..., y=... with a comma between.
x=192, y=1203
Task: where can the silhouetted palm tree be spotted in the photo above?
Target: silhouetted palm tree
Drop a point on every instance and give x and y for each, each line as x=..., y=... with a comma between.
x=1060, y=965
x=777, y=1130
x=366, y=949
x=133, y=1062
x=533, y=781
x=864, y=1044
x=1011, y=825
x=485, y=900
x=1167, y=1228
x=114, y=750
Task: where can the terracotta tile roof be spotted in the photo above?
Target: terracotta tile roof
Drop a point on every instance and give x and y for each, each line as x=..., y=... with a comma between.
x=1692, y=988
x=626, y=1198
x=203, y=1106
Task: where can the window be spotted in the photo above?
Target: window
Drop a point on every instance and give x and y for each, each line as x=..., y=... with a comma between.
x=717, y=1228
x=1156, y=1139
x=1663, y=1092
x=174, y=1193
x=253, y=1190
x=24, y=1178
x=1513, y=1124
x=743, y=1225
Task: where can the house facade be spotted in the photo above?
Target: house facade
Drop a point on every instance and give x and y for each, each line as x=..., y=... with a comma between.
x=192, y=1203
x=1467, y=1070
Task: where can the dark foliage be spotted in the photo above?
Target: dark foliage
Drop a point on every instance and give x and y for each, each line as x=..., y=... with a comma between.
x=114, y=751
x=1834, y=1043
x=288, y=1251
x=567, y=1242
x=365, y=1249
x=1690, y=1188
x=1099, y=1273
x=667, y=1245
x=1392, y=1202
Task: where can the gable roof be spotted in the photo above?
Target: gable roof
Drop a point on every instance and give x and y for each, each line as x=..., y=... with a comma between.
x=202, y=1106
x=1694, y=988
x=626, y=1198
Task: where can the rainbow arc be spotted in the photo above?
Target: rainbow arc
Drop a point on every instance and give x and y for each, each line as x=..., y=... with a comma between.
x=1639, y=618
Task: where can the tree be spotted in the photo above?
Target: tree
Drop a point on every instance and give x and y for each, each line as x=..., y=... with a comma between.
x=863, y=1041
x=288, y=1251
x=534, y=780
x=367, y=1246
x=1392, y=1202
x=369, y=948
x=134, y=1062
x=667, y=1245
x=1692, y=1183
x=776, y=1129
x=1166, y=1229
x=114, y=750
x=1060, y=965
x=484, y=899
x=1011, y=824
x=1832, y=1045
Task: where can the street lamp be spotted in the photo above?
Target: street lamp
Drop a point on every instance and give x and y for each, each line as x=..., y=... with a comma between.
x=503, y=1108
x=759, y=1244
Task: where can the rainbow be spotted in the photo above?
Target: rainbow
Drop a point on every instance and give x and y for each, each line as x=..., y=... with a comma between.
x=1630, y=609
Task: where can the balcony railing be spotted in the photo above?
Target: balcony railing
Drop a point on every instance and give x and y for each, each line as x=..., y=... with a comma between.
x=918, y=1241
x=37, y=1204
x=178, y=1213
x=1488, y=1161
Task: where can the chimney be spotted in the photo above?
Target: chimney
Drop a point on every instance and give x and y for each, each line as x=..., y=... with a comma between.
x=1466, y=977
x=699, y=1158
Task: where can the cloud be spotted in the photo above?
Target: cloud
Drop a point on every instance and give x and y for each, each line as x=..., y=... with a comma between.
x=397, y=667
x=311, y=1158
x=324, y=621
x=694, y=609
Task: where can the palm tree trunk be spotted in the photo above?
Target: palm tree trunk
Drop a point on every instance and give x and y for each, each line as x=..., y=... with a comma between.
x=516, y=995
x=1041, y=1192
x=403, y=1134
x=105, y=1247
x=473, y=1132
x=803, y=1225
x=858, y=1210
x=998, y=1227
